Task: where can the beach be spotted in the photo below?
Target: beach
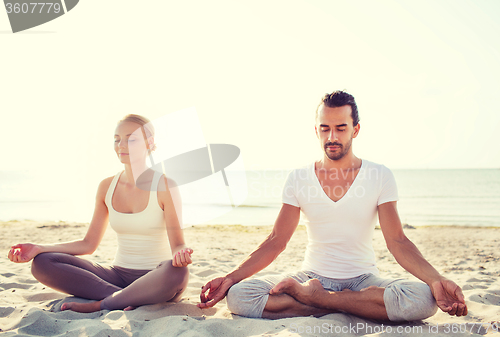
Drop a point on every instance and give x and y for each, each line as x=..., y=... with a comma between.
x=467, y=255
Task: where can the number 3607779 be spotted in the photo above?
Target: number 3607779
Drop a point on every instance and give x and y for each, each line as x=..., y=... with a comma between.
x=32, y=7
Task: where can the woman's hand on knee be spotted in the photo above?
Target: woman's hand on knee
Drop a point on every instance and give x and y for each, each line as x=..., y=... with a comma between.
x=24, y=252
x=182, y=257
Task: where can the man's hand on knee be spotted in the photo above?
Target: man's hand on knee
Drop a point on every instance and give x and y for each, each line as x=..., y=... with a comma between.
x=218, y=289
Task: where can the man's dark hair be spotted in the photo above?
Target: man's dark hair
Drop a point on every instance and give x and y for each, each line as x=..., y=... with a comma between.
x=340, y=98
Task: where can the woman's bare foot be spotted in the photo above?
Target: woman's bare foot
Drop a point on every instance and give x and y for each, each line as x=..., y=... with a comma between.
x=82, y=307
x=307, y=293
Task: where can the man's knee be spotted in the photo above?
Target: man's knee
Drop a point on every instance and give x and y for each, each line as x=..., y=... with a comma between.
x=409, y=301
x=234, y=299
x=245, y=299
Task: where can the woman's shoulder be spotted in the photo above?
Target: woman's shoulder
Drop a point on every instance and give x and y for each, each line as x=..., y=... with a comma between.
x=104, y=186
x=107, y=181
x=166, y=182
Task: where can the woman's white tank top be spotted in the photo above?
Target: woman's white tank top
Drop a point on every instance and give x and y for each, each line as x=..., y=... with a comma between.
x=142, y=237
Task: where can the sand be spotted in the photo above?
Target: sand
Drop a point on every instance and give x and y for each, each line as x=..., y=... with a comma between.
x=469, y=256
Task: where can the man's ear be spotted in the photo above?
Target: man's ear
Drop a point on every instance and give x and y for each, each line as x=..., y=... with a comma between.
x=316, y=130
x=356, y=131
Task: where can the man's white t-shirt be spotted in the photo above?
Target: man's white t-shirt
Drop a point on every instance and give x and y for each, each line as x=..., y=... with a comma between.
x=340, y=233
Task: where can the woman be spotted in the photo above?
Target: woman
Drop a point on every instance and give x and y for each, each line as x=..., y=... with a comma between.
x=146, y=218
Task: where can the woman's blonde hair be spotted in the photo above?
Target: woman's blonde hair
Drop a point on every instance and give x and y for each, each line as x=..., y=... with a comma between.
x=146, y=126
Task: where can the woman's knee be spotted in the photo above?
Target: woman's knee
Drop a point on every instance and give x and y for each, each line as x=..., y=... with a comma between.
x=40, y=266
x=175, y=279
x=182, y=277
x=177, y=275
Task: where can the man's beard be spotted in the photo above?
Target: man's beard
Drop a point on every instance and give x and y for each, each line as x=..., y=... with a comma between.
x=339, y=155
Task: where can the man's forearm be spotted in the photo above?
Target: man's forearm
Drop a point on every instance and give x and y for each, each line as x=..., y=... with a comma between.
x=410, y=258
x=259, y=259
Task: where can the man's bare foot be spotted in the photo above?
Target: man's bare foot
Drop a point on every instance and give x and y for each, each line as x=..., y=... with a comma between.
x=288, y=286
x=129, y=308
x=306, y=293
x=82, y=307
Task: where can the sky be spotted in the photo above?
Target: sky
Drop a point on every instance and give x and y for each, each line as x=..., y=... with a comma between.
x=425, y=76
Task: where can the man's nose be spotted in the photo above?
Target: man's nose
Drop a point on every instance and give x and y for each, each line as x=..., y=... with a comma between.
x=332, y=136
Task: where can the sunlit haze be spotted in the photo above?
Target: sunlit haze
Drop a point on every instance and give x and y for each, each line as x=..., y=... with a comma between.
x=424, y=74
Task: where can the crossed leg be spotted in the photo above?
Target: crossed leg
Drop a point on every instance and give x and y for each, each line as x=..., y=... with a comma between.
x=163, y=284
x=302, y=294
x=367, y=303
x=284, y=306
x=82, y=278
x=251, y=298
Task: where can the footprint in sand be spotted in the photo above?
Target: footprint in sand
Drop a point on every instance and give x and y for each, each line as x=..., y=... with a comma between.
x=206, y=273
x=29, y=281
x=6, y=311
x=473, y=280
x=475, y=283
x=6, y=286
x=490, y=299
x=39, y=323
x=474, y=286
x=44, y=297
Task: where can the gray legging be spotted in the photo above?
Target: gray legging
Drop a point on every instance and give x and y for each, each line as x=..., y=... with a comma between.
x=119, y=287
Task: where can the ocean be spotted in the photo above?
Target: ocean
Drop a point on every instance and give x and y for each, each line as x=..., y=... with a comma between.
x=462, y=197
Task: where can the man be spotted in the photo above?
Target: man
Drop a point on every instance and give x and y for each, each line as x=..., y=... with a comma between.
x=340, y=197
